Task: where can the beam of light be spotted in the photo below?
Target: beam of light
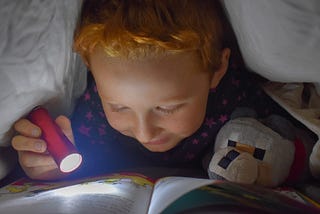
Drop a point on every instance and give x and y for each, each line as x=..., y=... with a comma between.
x=81, y=189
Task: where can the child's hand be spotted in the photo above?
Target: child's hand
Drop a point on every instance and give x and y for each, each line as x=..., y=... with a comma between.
x=32, y=150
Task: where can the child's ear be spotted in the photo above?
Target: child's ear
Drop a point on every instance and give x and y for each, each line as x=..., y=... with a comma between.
x=221, y=71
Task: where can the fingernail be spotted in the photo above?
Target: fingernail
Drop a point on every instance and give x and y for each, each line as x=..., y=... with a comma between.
x=38, y=146
x=35, y=132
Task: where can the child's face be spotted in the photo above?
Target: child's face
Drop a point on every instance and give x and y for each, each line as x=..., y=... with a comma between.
x=159, y=101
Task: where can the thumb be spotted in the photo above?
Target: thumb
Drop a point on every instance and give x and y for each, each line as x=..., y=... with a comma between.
x=64, y=123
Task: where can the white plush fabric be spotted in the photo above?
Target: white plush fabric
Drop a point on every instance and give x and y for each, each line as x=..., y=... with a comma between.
x=279, y=39
x=37, y=65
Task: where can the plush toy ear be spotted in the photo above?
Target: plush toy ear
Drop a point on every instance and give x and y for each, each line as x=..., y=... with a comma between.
x=280, y=125
x=243, y=112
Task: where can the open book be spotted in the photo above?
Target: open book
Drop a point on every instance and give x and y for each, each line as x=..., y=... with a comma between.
x=135, y=193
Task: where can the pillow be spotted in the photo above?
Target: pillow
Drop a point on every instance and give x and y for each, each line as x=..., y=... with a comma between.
x=280, y=40
x=37, y=65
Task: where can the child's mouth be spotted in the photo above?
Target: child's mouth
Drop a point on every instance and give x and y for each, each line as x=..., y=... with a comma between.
x=159, y=141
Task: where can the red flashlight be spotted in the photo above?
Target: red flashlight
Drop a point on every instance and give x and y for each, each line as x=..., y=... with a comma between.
x=59, y=146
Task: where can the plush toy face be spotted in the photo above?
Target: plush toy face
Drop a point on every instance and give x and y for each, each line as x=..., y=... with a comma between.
x=247, y=151
x=234, y=165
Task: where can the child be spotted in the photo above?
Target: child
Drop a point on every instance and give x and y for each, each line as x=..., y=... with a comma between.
x=163, y=83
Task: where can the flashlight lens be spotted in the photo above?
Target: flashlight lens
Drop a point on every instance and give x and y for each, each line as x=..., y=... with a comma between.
x=71, y=162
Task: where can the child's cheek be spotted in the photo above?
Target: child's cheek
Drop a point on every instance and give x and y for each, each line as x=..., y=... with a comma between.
x=119, y=122
x=183, y=125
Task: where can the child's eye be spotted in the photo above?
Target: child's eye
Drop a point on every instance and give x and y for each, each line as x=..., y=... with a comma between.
x=168, y=109
x=118, y=108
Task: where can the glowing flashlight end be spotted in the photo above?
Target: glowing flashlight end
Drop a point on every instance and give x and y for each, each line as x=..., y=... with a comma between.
x=71, y=162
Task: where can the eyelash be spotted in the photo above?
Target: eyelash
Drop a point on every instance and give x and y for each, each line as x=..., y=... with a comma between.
x=167, y=111
x=162, y=110
x=113, y=109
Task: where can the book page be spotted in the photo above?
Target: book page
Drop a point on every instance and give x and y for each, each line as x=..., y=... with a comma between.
x=169, y=189
x=116, y=194
x=190, y=195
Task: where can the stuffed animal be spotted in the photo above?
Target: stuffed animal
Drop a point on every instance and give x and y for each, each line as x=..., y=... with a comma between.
x=266, y=152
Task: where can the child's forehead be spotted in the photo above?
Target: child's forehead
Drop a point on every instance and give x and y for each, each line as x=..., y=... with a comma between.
x=176, y=69
x=174, y=72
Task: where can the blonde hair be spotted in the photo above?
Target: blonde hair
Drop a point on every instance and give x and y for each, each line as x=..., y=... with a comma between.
x=142, y=28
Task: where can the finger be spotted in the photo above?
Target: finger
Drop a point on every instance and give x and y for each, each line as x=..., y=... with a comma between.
x=31, y=159
x=64, y=123
x=22, y=143
x=44, y=173
x=25, y=127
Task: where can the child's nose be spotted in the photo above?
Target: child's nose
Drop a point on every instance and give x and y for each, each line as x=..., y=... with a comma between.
x=145, y=130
